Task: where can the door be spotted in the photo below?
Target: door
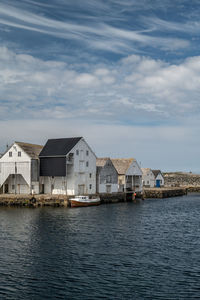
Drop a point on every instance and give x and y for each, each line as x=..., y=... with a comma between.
x=81, y=189
x=157, y=183
x=42, y=188
x=6, y=188
x=108, y=189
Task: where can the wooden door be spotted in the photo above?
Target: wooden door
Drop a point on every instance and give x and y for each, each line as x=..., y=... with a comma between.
x=81, y=189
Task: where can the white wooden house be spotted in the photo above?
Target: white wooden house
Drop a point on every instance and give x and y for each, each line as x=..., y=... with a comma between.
x=19, y=169
x=67, y=166
x=107, y=176
x=148, y=178
x=159, y=178
x=129, y=174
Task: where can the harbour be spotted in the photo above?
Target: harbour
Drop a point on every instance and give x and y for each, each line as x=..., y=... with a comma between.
x=116, y=251
x=28, y=200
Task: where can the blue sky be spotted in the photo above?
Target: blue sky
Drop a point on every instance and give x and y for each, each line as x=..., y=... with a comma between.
x=123, y=74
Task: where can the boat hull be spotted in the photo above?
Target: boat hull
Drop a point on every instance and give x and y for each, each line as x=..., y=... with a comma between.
x=75, y=203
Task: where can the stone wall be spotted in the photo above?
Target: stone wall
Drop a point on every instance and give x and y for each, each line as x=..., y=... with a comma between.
x=181, y=179
x=163, y=192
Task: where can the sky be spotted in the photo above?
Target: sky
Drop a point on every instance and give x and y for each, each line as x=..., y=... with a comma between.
x=124, y=74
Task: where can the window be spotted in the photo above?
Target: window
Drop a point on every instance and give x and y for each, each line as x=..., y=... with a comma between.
x=87, y=152
x=10, y=154
x=70, y=157
x=13, y=186
x=87, y=163
x=108, y=179
x=52, y=186
x=147, y=181
x=90, y=186
x=90, y=175
x=77, y=152
x=19, y=154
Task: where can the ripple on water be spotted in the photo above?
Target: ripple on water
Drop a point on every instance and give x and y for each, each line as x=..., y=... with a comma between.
x=121, y=251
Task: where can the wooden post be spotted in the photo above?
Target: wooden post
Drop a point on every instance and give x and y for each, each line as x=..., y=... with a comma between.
x=132, y=183
x=15, y=178
x=66, y=178
x=125, y=184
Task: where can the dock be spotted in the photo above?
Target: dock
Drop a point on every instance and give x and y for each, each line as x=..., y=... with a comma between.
x=26, y=200
x=164, y=192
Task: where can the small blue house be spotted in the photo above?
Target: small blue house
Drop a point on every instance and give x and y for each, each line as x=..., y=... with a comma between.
x=159, y=178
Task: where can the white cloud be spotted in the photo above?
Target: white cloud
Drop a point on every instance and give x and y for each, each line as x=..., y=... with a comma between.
x=33, y=87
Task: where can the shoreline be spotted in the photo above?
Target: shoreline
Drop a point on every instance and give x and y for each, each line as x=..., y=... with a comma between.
x=25, y=200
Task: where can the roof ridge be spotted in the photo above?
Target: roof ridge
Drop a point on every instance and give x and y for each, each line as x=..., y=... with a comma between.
x=28, y=144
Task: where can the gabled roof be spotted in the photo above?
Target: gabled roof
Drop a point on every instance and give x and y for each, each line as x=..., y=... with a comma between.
x=122, y=164
x=100, y=162
x=145, y=171
x=31, y=149
x=156, y=172
x=59, y=147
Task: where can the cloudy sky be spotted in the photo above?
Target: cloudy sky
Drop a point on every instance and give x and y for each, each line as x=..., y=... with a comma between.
x=125, y=74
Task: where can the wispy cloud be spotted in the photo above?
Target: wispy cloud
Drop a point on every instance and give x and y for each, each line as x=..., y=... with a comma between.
x=97, y=35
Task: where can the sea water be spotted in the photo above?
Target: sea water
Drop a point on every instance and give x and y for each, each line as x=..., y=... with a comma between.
x=149, y=250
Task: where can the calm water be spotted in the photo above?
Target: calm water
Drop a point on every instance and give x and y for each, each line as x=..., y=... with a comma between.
x=149, y=250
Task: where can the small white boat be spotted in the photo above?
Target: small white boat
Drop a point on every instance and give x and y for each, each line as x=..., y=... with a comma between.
x=83, y=201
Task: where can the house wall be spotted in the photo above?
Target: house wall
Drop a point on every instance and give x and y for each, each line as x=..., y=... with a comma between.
x=16, y=170
x=135, y=171
x=107, y=179
x=161, y=178
x=83, y=171
x=148, y=179
x=17, y=184
x=53, y=185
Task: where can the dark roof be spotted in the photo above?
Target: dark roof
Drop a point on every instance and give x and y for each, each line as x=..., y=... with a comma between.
x=156, y=172
x=31, y=149
x=59, y=147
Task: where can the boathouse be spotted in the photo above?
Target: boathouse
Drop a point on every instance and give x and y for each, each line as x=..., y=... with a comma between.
x=19, y=169
x=148, y=178
x=67, y=166
x=159, y=178
x=129, y=174
x=107, y=176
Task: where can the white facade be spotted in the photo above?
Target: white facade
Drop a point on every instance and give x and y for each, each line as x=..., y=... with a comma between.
x=19, y=173
x=129, y=175
x=160, y=178
x=80, y=170
x=134, y=177
x=148, y=178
